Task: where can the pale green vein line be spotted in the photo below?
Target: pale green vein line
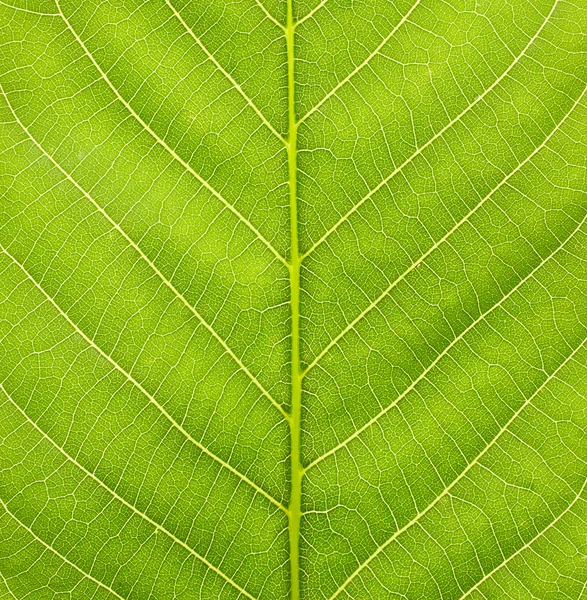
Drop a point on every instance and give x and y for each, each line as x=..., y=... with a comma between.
x=63, y=558
x=269, y=15
x=126, y=503
x=152, y=265
x=434, y=137
x=228, y=76
x=462, y=475
x=296, y=380
x=5, y=582
x=140, y=387
x=445, y=237
x=528, y=544
x=446, y=350
x=311, y=13
x=164, y=144
x=359, y=67
x=28, y=10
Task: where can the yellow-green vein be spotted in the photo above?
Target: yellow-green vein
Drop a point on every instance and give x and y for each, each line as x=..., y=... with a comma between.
x=296, y=382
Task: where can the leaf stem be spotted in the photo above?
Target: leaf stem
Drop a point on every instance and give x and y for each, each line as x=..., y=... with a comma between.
x=296, y=382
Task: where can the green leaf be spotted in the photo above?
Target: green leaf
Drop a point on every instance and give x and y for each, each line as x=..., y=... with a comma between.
x=293, y=299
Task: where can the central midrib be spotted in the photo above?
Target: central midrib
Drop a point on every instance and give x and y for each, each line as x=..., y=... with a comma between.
x=296, y=385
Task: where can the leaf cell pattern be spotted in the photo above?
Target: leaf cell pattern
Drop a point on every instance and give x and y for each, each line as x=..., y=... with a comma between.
x=293, y=299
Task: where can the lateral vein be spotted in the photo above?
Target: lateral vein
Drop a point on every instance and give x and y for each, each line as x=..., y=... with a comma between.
x=359, y=67
x=152, y=265
x=446, y=236
x=311, y=13
x=444, y=352
x=162, y=143
x=228, y=76
x=63, y=558
x=419, y=150
x=129, y=505
x=140, y=387
x=529, y=543
x=269, y=15
x=5, y=582
x=460, y=477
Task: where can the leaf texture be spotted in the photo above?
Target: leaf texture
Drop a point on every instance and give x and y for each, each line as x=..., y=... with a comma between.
x=293, y=299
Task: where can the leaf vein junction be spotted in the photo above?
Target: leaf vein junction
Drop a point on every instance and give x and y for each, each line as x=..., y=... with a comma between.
x=164, y=144
x=129, y=505
x=475, y=461
x=157, y=272
x=140, y=387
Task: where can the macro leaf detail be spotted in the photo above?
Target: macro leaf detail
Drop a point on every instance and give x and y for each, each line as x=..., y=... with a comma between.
x=293, y=299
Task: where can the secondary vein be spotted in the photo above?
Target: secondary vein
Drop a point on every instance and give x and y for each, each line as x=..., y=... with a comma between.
x=144, y=257
x=163, y=143
x=128, y=376
x=123, y=501
x=228, y=76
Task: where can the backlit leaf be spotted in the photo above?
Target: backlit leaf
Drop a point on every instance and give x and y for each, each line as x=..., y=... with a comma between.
x=293, y=299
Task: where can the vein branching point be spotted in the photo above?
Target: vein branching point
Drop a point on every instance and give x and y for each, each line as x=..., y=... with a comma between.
x=208, y=207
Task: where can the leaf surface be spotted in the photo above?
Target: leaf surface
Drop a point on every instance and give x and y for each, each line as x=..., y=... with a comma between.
x=293, y=299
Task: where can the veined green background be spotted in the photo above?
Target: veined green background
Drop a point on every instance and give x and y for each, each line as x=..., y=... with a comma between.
x=293, y=299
